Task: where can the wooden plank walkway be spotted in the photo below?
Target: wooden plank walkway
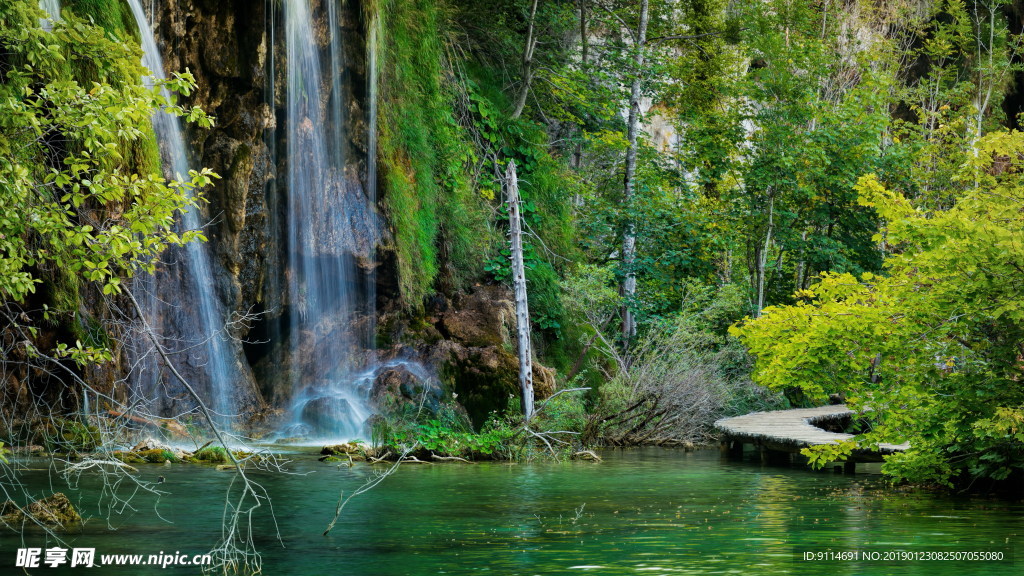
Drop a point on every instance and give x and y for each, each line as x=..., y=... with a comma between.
x=792, y=430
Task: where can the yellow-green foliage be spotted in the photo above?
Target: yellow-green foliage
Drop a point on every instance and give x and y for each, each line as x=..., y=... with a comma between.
x=114, y=16
x=212, y=454
x=424, y=155
x=933, y=347
x=158, y=456
x=79, y=196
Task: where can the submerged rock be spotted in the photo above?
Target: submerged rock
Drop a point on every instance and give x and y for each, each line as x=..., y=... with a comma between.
x=588, y=455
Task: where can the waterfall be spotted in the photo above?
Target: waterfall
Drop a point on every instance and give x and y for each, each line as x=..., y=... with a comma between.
x=186, y=293
x=329, y=221
x=51, y=7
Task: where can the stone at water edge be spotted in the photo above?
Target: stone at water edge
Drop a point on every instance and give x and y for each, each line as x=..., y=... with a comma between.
x=150, y=443
x=354, y=451
x=399, y=386
x=346, y=448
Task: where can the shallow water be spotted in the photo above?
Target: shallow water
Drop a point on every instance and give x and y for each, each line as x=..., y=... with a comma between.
x=644, y=512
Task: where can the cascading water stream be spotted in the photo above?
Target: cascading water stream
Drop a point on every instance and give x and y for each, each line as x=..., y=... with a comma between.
x=324, y=227
x=197, y=284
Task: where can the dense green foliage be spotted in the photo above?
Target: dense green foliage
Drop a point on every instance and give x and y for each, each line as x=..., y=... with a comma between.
x=836, y=172
x=79, y=205
x=933, y=347
x=114, y=16
x=427, y=157
x=761, y=184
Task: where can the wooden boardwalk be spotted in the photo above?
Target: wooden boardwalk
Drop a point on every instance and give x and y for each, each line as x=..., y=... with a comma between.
x=789, y=431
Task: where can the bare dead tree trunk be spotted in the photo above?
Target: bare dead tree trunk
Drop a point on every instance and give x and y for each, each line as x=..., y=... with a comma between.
x=527, y=63
x=629, y=181
x=519, y=281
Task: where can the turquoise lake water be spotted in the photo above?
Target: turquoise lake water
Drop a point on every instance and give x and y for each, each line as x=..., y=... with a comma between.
x=643, y=512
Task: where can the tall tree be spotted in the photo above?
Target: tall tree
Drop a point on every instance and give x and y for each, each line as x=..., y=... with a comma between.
x=526, y=65
x=629, y=180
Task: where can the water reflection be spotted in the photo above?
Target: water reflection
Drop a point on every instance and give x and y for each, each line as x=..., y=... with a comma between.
x=641, y=512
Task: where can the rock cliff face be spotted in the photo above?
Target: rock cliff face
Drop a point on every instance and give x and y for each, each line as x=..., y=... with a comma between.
x=469, y=342
x=225, y=45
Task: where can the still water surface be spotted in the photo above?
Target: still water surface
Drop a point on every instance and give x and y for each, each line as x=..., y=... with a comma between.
x=644, y=512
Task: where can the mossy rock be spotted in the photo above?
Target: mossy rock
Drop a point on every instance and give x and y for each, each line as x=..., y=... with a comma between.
x=128, y=457
x=346, y=448
x=347, y=452
x=211, y=455
x=56, y=435
x=157, y=456
x=52, y=512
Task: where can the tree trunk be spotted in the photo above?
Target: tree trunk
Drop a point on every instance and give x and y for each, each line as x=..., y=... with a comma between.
x=800, y=278
x=584, y=33
x=629, y=181
x=519, y=281
x=762, y=259
x=527, y=63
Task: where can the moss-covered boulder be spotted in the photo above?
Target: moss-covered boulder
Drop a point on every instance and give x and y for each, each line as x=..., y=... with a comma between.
x=211, y=455
x=128, y=457
x=475, y=358
x=349, y=451
x=53, y=512
x=158, y=456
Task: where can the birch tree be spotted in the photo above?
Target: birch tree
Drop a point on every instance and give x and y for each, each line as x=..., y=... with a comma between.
x=527, y=62
x=519, y=283
x=629, y=180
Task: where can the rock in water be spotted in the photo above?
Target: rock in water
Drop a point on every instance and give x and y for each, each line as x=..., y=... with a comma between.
x=328, y=415
x=52, y=512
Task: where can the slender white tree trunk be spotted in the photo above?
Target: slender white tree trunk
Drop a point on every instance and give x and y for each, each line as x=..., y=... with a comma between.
x=527, y=63
x=629, y=181
x=519, y=282
x=762, y=261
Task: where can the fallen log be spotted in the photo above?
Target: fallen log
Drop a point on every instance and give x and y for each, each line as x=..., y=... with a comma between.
x=167, y=425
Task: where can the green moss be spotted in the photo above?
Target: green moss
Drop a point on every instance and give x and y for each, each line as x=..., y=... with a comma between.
x=212, y=455
x=158, y=456
x=128, y=457
x=425, y=157
x=114, y=16
x=59, y=434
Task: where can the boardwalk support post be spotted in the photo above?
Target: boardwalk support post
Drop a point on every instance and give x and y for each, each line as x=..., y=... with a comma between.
x=732, y=449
